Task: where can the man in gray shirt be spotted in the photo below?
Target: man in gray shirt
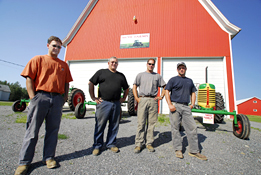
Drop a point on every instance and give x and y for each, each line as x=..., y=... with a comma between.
x=148, y=83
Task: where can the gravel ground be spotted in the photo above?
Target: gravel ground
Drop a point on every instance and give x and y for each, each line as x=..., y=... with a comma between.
x=226, y=153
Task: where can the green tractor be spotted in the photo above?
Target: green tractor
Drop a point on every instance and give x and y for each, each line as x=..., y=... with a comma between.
x=211, y=102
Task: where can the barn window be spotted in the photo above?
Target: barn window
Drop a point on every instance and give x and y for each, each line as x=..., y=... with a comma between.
x=255, y=110
x=255, y=101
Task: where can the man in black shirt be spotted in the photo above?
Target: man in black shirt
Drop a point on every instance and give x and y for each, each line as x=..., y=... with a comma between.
x=108, y=107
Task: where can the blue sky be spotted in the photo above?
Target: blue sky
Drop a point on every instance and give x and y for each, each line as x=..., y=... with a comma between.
x=25, y=26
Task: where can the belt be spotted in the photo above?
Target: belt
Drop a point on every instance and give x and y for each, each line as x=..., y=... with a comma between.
x=149, y=96
x=50, y=93
x=111, y=100
x=181, y=103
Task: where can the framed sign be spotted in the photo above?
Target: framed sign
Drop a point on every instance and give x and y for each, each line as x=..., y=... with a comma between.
x=135, y=41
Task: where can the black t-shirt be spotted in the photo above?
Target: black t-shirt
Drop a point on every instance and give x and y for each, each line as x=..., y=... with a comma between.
x=110, y=84
x=181, y=88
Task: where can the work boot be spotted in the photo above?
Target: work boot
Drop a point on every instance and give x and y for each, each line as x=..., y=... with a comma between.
x=198, y=155
x=150, y=148
x=96, y=152
x=137, y=149
x=51, y=163
x=115, y=149
x=179, y=154
x=21, y=170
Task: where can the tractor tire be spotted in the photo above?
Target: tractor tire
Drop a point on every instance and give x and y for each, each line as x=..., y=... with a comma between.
x=76, y=96
x=220, y=105
x=242, y=131
x=79, y=111
x=132, y=104
x=17, y=107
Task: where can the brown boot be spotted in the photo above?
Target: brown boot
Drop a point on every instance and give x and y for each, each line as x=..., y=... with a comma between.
x=21, y=170
x=198, y=155
x=179, y=154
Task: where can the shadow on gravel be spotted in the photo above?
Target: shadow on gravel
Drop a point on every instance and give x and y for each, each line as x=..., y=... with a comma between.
x=62, y=158
x=164, y=137
x=201, y=139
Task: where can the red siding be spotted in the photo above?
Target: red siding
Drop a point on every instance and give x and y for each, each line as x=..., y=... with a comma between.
x=248, y=107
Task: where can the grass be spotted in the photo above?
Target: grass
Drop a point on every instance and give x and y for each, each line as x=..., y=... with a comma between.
x=21, y=118
x=254, y=118
x=163, y=120
x=62, y=136
x=68, y=116
x=6, y=103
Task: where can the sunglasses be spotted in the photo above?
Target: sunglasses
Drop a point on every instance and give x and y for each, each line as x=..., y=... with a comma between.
x=59, y=47
x=151, y=64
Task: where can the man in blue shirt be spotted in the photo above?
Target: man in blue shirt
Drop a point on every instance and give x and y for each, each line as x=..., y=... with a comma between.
x=182, y=92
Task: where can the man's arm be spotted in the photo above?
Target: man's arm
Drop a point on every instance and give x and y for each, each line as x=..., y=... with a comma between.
x=162, y=94
x=66, y=90
x=30, y=87
x=135, y=93
x=125, y=93
x=193, y=100
x=171, y=106
x=91, y=92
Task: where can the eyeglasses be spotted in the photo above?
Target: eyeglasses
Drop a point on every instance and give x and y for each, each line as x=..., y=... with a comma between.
x=115, y=62
x=151, y=64
x=59, y=47
x=181, y=68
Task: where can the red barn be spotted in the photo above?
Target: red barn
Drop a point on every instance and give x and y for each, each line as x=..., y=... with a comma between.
x=193, y=31
x=250, y=106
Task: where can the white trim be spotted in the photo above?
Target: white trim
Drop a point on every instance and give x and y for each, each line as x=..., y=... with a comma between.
x=226, y=84
x=220, y=19
x=244, y=100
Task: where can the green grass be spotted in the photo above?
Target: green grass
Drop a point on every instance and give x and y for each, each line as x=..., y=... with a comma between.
x=163, y=120
x=6, y=103
x=62, y=136
x=21, y=118
x=68, y=116
x=254, y=118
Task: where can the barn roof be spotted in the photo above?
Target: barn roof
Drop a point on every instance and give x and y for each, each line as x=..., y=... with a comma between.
x=4, y=88
x=207, y=4
x=244, y=100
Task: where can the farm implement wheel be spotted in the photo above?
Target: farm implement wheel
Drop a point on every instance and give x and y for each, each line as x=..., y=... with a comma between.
x=132, y=104
x=219, y=106
x=242, y=131
x=18, y=107
x=75, y=97
x=79, y=111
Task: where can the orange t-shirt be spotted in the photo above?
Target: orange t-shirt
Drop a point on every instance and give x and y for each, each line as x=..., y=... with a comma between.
x=49, y=74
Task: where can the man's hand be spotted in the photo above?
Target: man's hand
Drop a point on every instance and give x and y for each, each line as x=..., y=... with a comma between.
x=97, y=100
x=191, y=106
x=158, y=98
x=172, y=108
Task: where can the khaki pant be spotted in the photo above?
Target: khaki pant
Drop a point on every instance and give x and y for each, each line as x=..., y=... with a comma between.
x=147, y=119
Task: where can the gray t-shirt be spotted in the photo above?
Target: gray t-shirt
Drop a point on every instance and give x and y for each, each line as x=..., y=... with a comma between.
x=148, y=83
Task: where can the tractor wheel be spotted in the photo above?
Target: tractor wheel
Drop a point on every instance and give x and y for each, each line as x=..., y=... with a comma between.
x=79, y=111
x=132, y=104
x=218, y=118
x=76, y=96
x=17, y=107
x=242, y=131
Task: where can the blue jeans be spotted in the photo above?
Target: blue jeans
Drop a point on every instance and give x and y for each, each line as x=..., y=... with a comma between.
x=43, y=106
x=106, y=111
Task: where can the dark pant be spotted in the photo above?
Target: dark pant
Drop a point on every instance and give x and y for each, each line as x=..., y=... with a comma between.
x=106, y=111
x=42, y=106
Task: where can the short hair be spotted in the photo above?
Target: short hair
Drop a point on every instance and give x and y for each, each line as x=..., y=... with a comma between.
x=112, y=58
x=151, y=59
x=54, y=38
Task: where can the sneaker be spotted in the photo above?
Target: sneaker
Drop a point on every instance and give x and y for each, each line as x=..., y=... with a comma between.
x=150, y=148
x=137, y=149
x=21, y=170
x=96, y=152
x=198, y=155
x=51, y=163
x=115, y=149
x=179, y=154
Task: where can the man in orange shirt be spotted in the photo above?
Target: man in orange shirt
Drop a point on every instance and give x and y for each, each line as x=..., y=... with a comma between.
x=47, y=83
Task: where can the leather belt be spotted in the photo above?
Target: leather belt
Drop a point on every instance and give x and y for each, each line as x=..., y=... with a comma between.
x=142, y=96
x=181, y=103
x=50, y=93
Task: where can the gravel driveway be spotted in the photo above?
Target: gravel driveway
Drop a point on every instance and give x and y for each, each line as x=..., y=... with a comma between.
x=226, y=153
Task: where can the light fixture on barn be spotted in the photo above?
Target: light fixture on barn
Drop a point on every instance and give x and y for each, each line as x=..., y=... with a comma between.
x=135, y=19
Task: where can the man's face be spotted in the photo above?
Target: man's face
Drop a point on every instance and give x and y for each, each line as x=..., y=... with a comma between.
x=113, y=64
x=54, y=48
x=150, y=65
x=181, y=70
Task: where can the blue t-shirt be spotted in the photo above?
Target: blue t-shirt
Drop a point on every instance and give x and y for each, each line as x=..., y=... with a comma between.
x=181, y=88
